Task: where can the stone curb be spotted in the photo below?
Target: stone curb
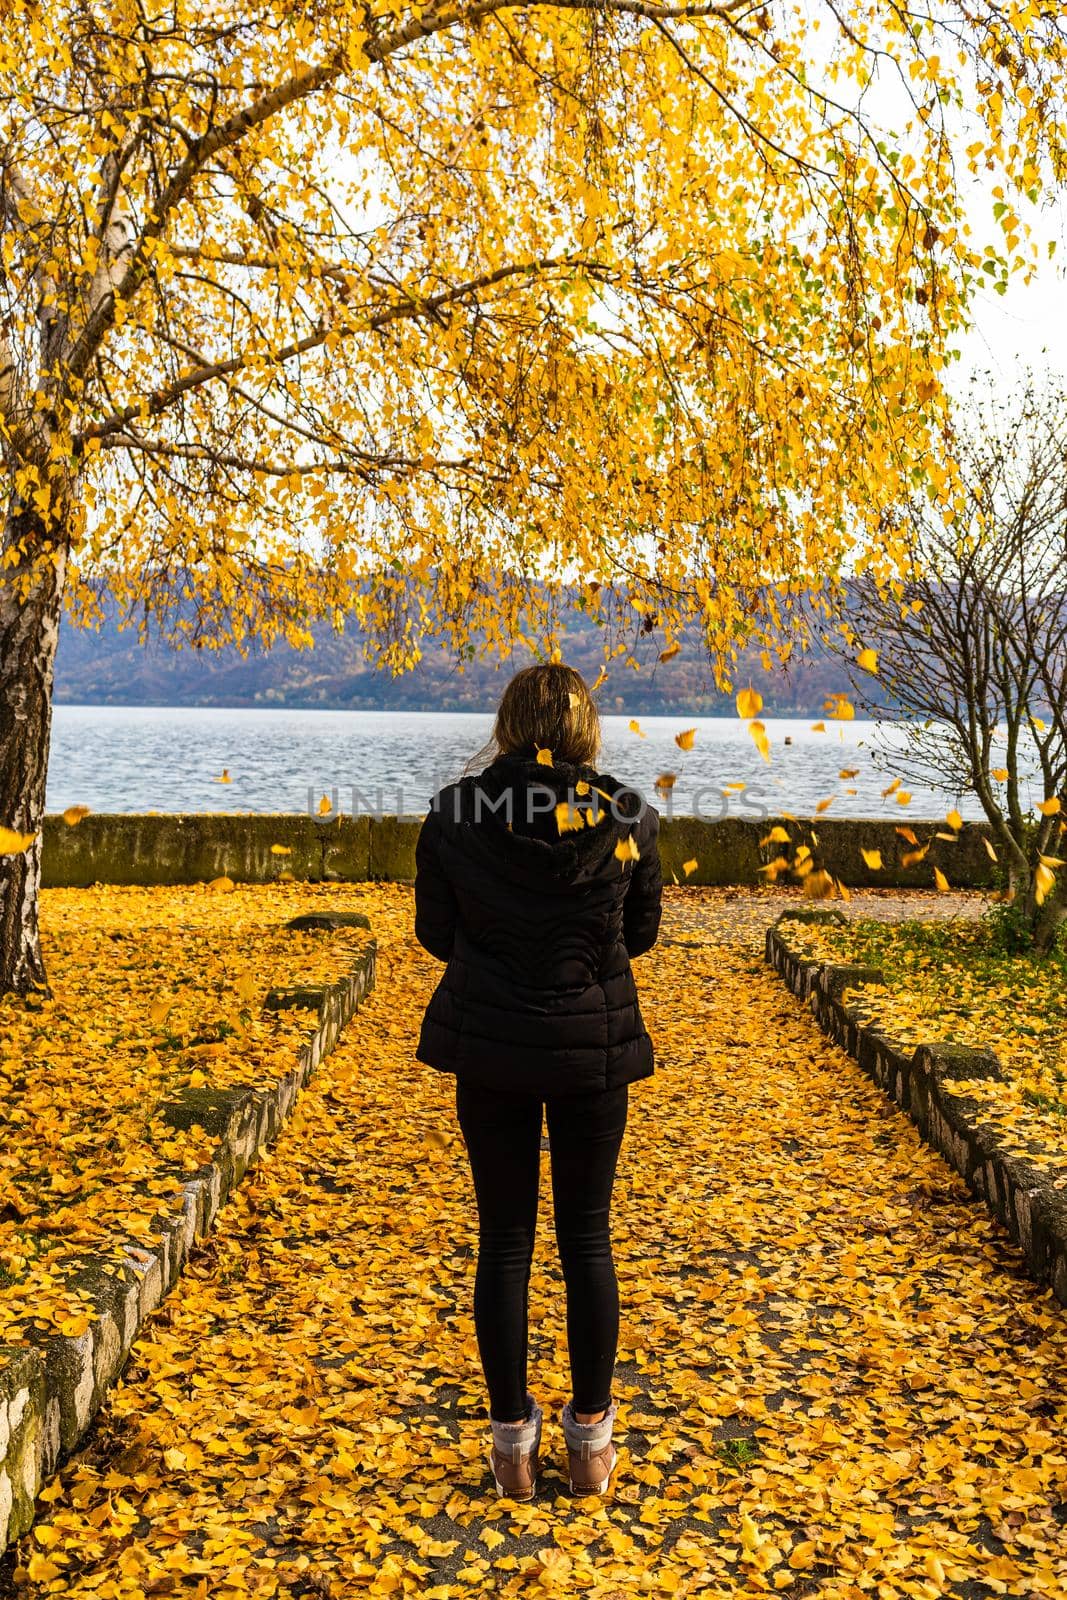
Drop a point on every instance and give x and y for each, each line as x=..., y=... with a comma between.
x=1017, y=1192
x=51, y=1389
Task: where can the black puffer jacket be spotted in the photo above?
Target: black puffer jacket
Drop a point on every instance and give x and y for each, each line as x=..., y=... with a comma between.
x=537, y=928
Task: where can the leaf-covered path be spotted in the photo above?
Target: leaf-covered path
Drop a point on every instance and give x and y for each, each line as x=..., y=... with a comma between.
x=835, y=1380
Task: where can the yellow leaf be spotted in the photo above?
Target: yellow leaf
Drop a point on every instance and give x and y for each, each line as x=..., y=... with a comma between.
x=751, y=1537
x=824, y=805
x=908, y=834
x=893, y=787
x=280, y=850
x=13, y=843
x=941, y=881
x=760, y=740
x=1039, y=723
x=569, y=818
x=491, y=1538
x=221, y=885
x=247, y=987
x=868, y=660
x=670, y=652
x=903, y=797
x=990, y=852
x=666, y=781
x=911, y=858
x=818, y=727
x=41, y=1569
x=74, y=1326
x=544, y=758
x=843, y=710
x=581, y=787
x=174, y=1460
x=684, y=740
x=224, y=776
x=843, y=891
x=749, y=702
x=777, y=835
x=689, y=867
x=954, y=820
x=158, y=1011
x=848, y=772
x=1001, y=774
x=635, y=727
x=1044, y=880
x=802, y=1555
x=75, y=814
x=873, y=858
x=626, y=849
x=47, y=1535
x=1049, y=808
x=325, y=806
x=818, y=884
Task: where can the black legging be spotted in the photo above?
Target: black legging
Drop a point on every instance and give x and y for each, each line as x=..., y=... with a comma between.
x=503, y=1137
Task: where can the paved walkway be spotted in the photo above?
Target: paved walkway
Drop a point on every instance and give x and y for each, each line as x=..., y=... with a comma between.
x=835, y=1379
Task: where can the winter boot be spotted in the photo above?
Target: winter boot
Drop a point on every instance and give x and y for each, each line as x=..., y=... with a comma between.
x=591, y=1452
x=515, y=1453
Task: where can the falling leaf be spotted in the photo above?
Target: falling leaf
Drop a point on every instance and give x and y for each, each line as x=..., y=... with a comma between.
x=893, y=787
x=221, y=885
x=818, y=884
x=666, y=781
x=818, y=727
x=824, y=805
x=733, y=788
x=635, y=727
x=1039, y=723
x=1049, y=808
x=1044, y=881
x=581, y=787
x=842, y=890
x=954, y=820
x=760, y=739
x=13, y=843
x=223, y=777
x=1001, y=774
x=868, y=660
x=75, y=814
x=749, y=702
x=908, y=834
x=911, y=858
x=685, y=739
x=848, y=772
x=544, y=758
x=941, y=881
x=903, y=797
x=569, y=818
x=626, y=849
x=325, y=806
x=777, y=835
x=670, y=652
x=280, y=850
x=990, y=852
x=843, y=709
x=873, y=858
x=689, y=867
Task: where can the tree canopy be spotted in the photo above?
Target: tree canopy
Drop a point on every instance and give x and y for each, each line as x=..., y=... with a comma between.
x=398, y=307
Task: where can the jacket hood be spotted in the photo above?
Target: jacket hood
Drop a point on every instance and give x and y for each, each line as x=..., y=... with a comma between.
x=508, y=812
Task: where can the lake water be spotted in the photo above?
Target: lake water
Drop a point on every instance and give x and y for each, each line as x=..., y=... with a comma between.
x=144, y=758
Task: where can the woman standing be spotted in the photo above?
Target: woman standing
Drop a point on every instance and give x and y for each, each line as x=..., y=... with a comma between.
x=536, y=882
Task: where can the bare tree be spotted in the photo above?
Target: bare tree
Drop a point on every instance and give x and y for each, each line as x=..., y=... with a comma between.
x=972, y=643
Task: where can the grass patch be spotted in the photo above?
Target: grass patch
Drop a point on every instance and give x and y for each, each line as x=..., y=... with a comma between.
x=955, y=981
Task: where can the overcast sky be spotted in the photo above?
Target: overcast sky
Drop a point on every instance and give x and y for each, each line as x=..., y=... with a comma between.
x=1028, y=325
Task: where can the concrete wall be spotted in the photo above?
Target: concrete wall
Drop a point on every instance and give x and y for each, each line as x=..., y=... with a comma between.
x=157, y=848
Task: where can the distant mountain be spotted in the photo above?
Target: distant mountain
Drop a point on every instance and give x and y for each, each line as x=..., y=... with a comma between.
x=109, y=667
